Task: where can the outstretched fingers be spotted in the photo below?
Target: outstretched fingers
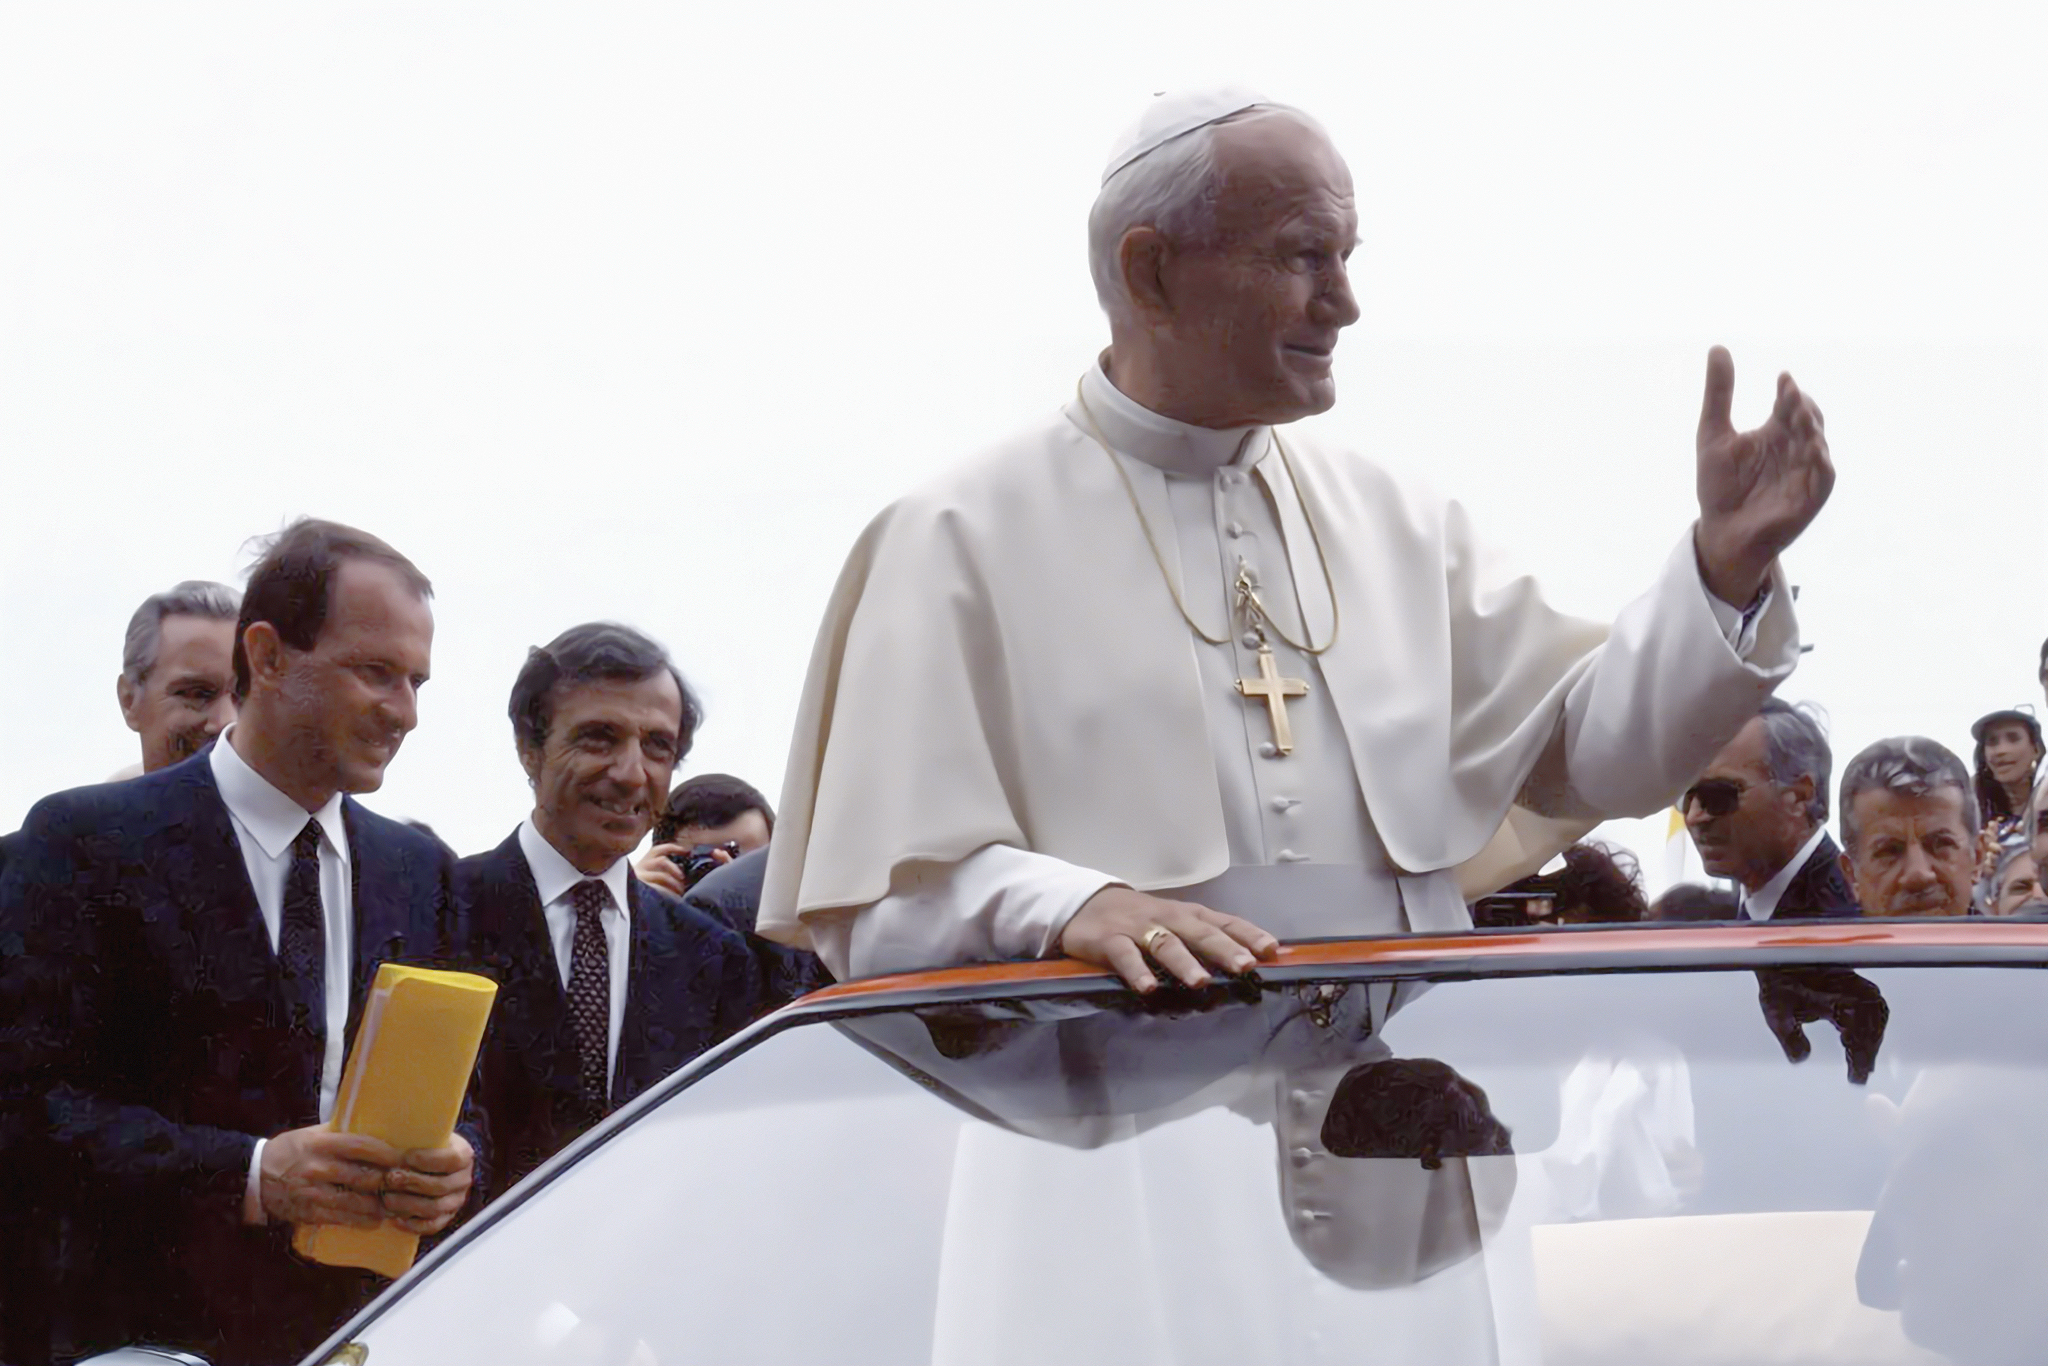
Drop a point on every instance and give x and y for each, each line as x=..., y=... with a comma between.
x=1718, y=402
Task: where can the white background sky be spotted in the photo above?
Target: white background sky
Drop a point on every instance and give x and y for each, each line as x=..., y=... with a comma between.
x=640, y=312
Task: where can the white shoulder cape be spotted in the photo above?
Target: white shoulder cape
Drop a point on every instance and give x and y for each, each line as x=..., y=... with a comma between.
x=1001, y=663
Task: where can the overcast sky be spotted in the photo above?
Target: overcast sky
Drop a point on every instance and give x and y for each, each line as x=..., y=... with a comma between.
x=641, y=312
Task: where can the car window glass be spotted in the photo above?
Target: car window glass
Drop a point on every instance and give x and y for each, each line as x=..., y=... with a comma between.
x=1582, y=1169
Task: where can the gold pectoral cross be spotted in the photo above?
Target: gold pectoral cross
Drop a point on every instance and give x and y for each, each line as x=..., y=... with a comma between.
x=1275, y=690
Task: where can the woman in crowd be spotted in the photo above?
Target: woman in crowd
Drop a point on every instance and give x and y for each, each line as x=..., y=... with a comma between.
x=2009, y=753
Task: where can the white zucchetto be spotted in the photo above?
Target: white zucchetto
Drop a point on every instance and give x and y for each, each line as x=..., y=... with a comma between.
x=1172, y=113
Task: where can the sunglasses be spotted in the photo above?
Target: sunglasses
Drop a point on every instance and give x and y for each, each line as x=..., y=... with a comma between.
x=1716, y=796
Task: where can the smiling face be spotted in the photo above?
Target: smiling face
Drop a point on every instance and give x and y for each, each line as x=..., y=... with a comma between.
x=602, y=773
x=1245, y=324
x=336, y=713
x=1769, y=822
x=1914, y=854
x=188, y=695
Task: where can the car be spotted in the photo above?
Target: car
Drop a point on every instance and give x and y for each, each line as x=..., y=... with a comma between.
x=1822, y=1142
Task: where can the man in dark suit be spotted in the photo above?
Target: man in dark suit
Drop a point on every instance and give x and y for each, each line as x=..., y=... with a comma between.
x=605, y=985
x=183, y=960
x=1758, y=814
x=731, y=895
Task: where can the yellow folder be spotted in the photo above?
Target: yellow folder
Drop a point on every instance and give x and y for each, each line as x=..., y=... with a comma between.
x=415, y=1050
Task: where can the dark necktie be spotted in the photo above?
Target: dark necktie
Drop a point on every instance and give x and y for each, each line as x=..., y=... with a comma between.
x=590, y=993
x=302, y=936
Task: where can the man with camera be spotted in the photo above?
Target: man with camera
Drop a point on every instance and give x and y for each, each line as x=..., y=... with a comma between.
x=605, y=985
x=711, y=849
x=711, y=820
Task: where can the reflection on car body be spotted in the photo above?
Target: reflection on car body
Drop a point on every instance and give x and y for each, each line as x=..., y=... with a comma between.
x=1581, y=1147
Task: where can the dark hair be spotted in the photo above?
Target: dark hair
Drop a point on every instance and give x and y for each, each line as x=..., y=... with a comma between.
x=1603, y=880
x=584, y=654
x=291, y=584
x=1596, y=877
x=1690, y=901
x=710, y=800
x=1992, y=803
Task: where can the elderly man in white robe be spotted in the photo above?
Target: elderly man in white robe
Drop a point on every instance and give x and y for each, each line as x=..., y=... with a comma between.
x=1161, y=677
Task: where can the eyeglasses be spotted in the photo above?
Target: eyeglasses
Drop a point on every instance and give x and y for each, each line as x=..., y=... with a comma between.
x=1716, y=796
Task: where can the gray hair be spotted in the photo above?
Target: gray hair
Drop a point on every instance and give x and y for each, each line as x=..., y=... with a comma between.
x=1911, y=765
x=1173, y=188
x=192, y=598
x=1795, y=747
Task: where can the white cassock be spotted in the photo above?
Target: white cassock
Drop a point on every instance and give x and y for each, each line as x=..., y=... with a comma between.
x=1006, y=712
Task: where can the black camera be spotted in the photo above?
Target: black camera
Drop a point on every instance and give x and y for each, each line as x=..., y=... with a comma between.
x=701, y=859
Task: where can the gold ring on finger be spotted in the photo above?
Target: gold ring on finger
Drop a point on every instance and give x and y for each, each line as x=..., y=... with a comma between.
x=1150, y=940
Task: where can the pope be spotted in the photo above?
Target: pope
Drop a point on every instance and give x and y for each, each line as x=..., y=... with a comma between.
x=1162, y=676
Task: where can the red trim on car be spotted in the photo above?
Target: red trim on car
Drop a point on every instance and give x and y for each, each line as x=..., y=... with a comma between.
x=1620, y=944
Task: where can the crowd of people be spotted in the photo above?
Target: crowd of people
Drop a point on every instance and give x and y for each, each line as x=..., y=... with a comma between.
x=183, y=1013
x=1921, y=834
x=187, y=951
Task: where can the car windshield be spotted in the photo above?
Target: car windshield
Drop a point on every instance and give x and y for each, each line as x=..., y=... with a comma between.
x=1592, y=1168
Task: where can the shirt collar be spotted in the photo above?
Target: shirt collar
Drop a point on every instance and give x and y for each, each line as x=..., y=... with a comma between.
x=554, y=875
x=1762, y=903
x=272, y=819
x=1162, y=442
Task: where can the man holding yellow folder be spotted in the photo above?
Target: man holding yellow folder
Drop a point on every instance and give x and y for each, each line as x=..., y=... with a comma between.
x=605, y=985
x=185, y=955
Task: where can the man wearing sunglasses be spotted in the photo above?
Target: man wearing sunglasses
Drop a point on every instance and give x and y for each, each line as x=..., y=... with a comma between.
x=1758, y=815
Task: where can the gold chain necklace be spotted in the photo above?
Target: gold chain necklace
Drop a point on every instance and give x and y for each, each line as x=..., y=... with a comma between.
x=1247, y=594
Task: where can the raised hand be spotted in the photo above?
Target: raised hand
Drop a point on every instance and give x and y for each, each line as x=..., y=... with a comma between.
x=1758, y=489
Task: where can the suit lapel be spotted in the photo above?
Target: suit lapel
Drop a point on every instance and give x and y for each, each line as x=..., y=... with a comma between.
x=205, y=874
x=380, y=909
x=651, y=947
x=523, y=954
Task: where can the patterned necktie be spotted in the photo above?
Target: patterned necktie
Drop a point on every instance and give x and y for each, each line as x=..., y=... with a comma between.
x=590, y=992
x=302, y=936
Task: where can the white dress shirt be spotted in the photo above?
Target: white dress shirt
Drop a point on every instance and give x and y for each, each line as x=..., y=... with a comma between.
x=266, y=822
x=554, y=877
x=1762, y=903
x=1230, y=504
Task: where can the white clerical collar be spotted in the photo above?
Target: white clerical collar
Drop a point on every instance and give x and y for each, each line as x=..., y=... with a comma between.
x=272, y=819
x=554, y=875
x=1177, y=447
x=1762, y=903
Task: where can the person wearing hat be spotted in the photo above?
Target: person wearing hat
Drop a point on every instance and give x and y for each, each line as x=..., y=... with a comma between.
x=1162, y=676
x=2008, y=757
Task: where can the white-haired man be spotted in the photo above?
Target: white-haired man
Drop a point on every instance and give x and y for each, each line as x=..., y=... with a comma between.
x=1155, y=679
